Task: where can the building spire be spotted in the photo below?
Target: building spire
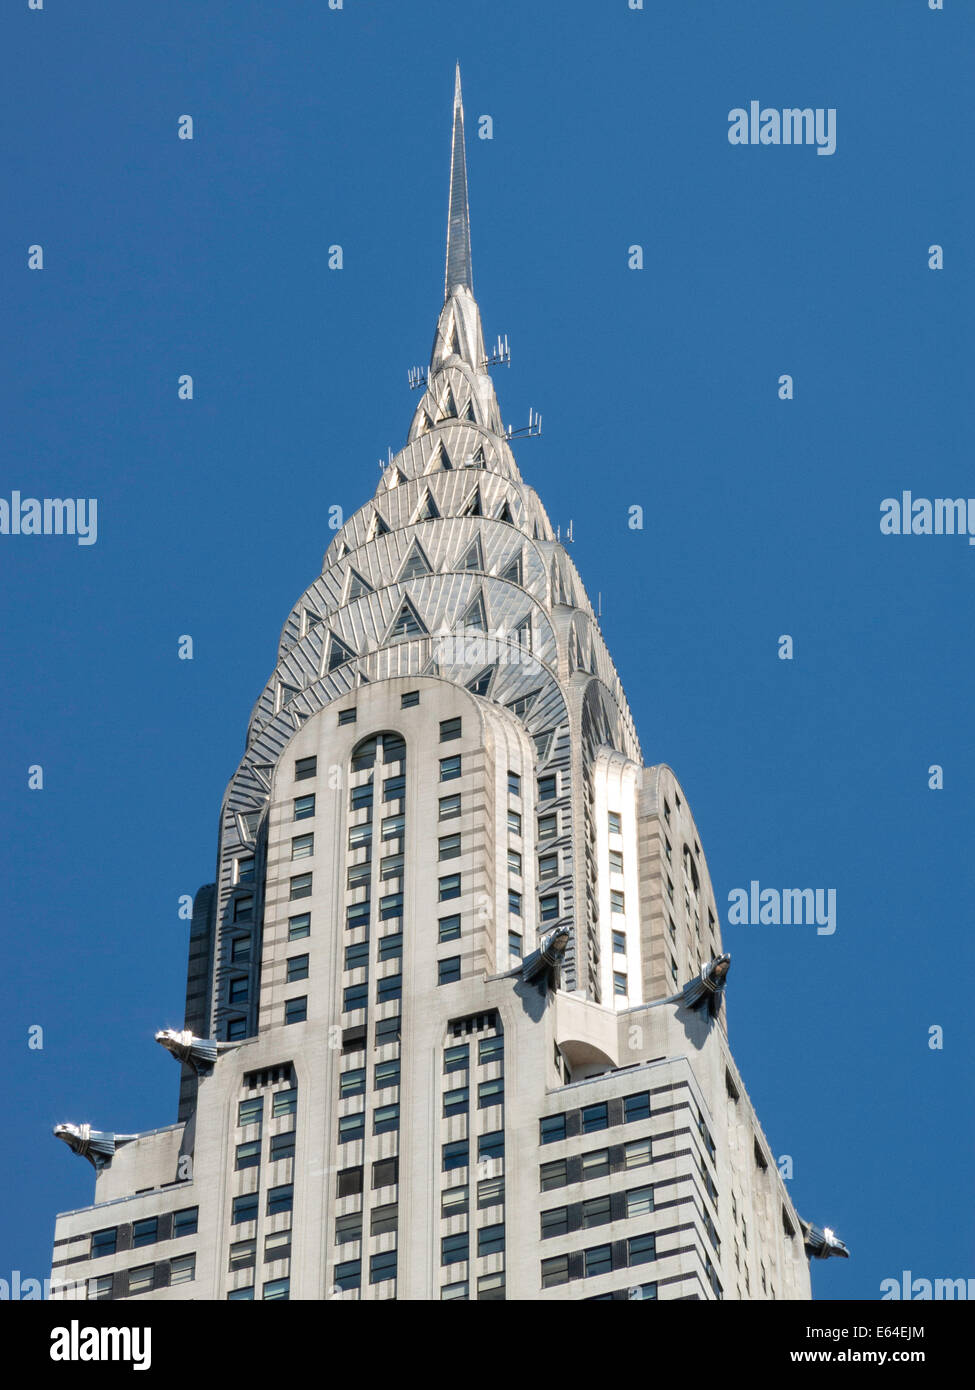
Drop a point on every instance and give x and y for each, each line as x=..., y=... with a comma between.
x=458, y=216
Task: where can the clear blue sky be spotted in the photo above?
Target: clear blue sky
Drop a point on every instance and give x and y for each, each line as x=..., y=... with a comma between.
x=657, y=388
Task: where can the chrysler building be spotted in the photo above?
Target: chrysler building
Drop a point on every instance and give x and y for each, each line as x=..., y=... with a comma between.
x=456, y=1004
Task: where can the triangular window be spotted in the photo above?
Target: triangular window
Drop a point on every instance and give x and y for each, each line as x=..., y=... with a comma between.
x=453, y=340
x=473, y=558
x=341, y=550
x=394, y=477
x=427, y=510
x=439, y=460
x=473, y=507
x=286, y=693
x=481, y=683
x=378, y=527
x=523, y=633
x=416, y=563
x=542, y=744
x=310, y=620
x=425, y=423
x=512, y=572
x=523, y=704
x=469, y=411
x=475, y=616
x=406, y=623
x=505, y=514
x=358, y=587
x=477, y=459
x=338, y=653
x=448, y=408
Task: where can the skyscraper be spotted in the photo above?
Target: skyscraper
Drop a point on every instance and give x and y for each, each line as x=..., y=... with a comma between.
x=455, y=1021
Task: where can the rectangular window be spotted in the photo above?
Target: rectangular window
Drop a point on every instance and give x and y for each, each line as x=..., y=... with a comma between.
x=449, y=887
x=596, y=1211
x=382, y=1266
x=297, y=968
x=100, y=1287
x=393, y=827
x=387, y=1030
x=453, y=1249
x=145, y=1232
x=243, y=1255
x=639, y=1201
x=390, y=866
x=449, y=928
x=450, y=768
x=555, y=1271
x=388, y=988
x=514, y=822
x=551, y=1129
x=352, y=1127
x=394, y=788
x=391, y=945
x=450, y=1292
x=185, y=1222
x=552, y=1175
x=390, y=906
x=515, y=945
x=640, y=1250
x=455, y=1102
x=548, y=866
x=636, y=1107
x=359, y=876
x=514, y=862
x=549, y=907
x=455, y=1155
x=548, y=826
x=357, y=955
x=595, y=1164
x=305, y=767
x=348, y=1275
x=615, y=861
x=385, y=1173
x=280, y=1199
x=244, y=1209
x=384, y=1219
x=449, y=807
x=348, y=1228
x=449, y=847
x=248, y=1155
x=240, y=950
x=300, y=887
x=619, y=983
x=386, y=1074
x=299, y=926
x=360, y=798
x=238, y=990
x=490, y=1093
x=284, y=1103
x=455, y=1058
x=282, y=1146
x=182, y=1270
x=304, y=806
x=490, y=1288
x=277, y=1246
x=355, y=997
x=613, y=818
x=594, y=1117
x=385, y=1118
x=449, y=728
x=352, y=1083
x=514, y=902
x=619, y=943
x=250, y=1112
x=617, y=902
x=349, y=1182
x=490, y=1240
x=409, y=699
x=491, y=1145
x=490, y=1192
x=448, y=970
x=140, y=1279
x=454, y=1202
x=244, y=869
x=296, y=1010
x=598, y=1260
x=514, y=784
x=555, y=1222
x=347, y=716
x=103, y=1242
x=548, y=787
x=244, y=909
x=490, y=1050
x=236, y=1029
